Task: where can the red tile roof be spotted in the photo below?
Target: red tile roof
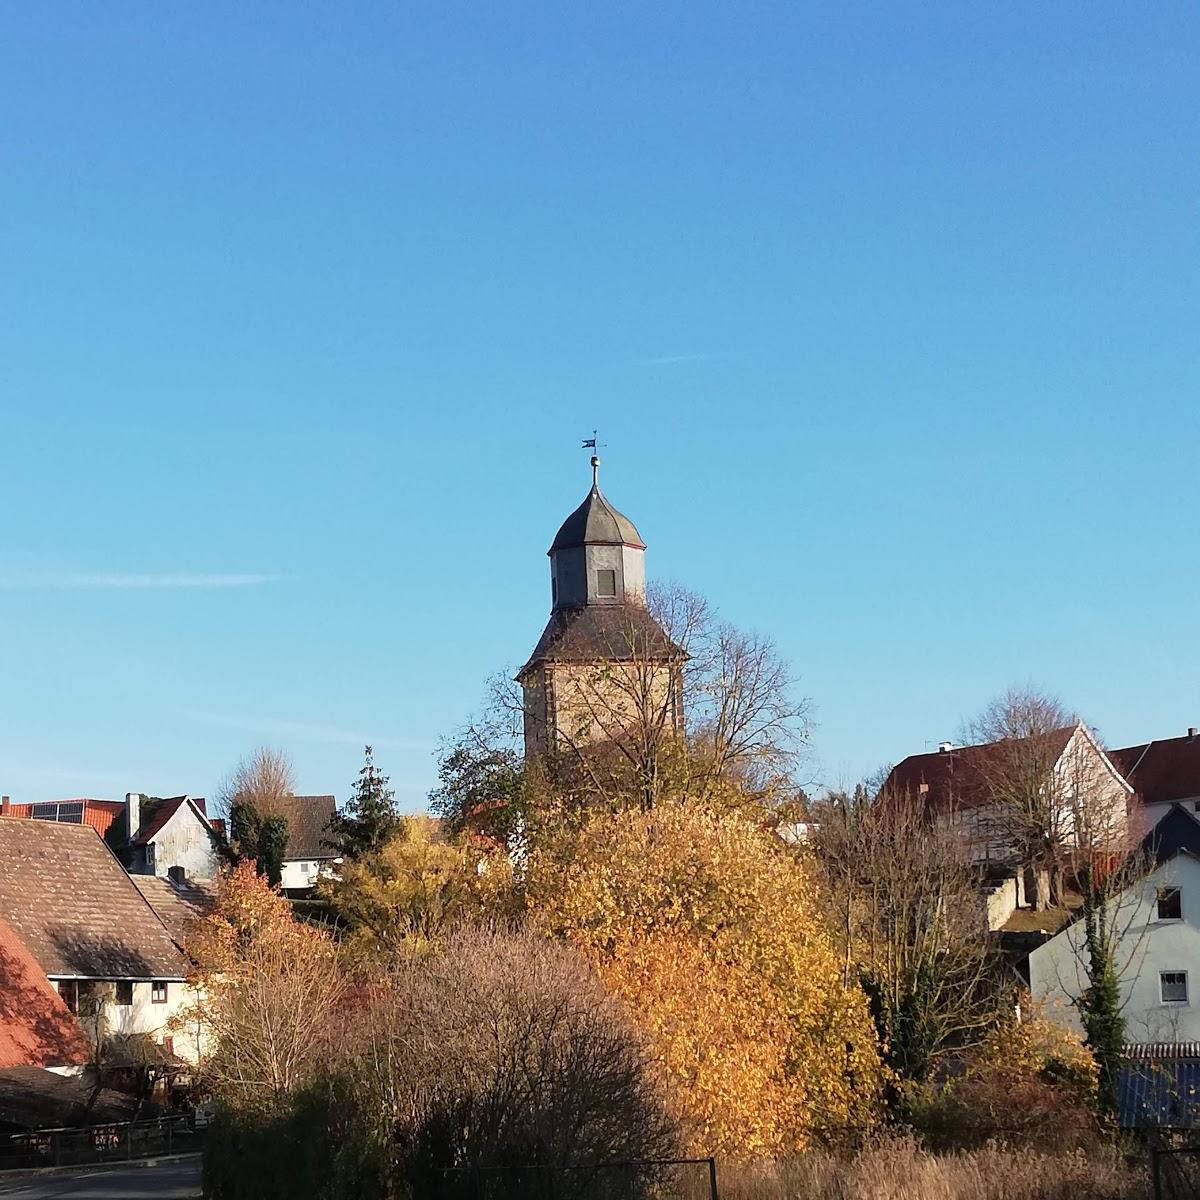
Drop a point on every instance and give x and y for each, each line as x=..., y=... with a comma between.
x=957, y=777
x=154, y=815
x=99, y=814
x=1161, y=771
x=36, y=1030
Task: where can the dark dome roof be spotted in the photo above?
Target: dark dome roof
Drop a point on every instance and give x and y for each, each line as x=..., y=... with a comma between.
x=595, y=520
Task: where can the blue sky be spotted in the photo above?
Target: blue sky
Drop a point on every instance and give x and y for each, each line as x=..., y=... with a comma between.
x=887, y=314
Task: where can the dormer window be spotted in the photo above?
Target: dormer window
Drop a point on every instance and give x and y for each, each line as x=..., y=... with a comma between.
x=606, y=583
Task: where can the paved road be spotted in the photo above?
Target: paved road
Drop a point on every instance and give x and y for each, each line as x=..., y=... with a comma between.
x=168, y=1181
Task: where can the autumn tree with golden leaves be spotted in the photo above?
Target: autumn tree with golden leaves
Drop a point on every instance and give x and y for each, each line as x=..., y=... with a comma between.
x=710, y=930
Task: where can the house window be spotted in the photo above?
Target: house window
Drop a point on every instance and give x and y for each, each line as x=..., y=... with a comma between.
x=69, y=994
x=1173, y=987
x=124, y=991
x=1170, y=904
x=606, y=583
x=158, y=991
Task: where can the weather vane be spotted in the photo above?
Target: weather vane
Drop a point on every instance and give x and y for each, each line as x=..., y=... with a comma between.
x=594, y=446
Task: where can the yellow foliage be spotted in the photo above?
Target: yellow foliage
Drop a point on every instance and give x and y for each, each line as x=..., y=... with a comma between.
x=1038, y=1044
x=711, y=932
x=417, y=886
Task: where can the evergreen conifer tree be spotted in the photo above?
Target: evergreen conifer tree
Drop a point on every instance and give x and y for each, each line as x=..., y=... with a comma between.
x=370, y=819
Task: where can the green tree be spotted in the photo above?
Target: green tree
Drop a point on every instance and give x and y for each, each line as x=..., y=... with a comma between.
x=481, y=787
x=259, y=839
x=272, y=846
x=370, y=820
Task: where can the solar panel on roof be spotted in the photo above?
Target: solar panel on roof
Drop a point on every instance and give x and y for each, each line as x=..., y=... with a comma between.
x=68, y=814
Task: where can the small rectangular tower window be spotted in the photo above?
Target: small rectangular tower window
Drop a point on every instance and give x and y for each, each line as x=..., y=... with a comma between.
x=1173, y=985
x=158, y=991
x=1170, y=904
x=606, y=583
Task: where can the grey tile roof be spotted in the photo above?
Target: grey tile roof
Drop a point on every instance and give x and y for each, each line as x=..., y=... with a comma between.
x=77, y=911
x=307, y=818
x=595, y=520
x=593, y=632
x=178, y=905
x=31, y=1098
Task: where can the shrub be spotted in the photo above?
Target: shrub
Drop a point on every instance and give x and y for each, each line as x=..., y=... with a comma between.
x=490, y=1052
x=1031, y=1082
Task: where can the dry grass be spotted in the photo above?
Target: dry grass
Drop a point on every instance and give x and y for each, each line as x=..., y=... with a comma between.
x=899, y=1169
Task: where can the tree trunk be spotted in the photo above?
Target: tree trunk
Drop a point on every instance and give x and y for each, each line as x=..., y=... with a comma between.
x=1041, y=888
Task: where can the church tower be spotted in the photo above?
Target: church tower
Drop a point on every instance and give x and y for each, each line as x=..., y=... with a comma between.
x=603, y=660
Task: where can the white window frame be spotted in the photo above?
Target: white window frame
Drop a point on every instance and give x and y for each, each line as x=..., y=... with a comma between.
x=1162, y=975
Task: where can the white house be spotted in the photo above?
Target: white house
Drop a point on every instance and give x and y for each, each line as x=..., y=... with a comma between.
x=1086, y=798
x=173, y=837
x=1157, y=927
x=91, y=931
x=307, y=856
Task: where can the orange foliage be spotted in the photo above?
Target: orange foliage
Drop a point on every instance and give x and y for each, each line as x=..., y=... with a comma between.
x=710, y=930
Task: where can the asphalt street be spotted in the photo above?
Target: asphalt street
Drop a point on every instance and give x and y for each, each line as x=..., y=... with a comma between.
x=166, y=1181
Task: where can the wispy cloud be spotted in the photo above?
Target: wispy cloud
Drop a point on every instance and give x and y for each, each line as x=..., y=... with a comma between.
x=668, y=360
x=305, y=731
x=123, y=581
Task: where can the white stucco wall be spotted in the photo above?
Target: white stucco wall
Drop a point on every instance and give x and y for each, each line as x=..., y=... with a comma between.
x=1147, y=947
x=185, y=842
x=143, y=1016
x=1086, y=789
x=304, y=872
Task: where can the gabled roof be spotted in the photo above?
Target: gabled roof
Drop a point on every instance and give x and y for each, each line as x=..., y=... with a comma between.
x=36, y=1030
x=958, y=777
x=595, y=632
x=178, y=905
x=154, y=815
x=77, y=911
x=307, y=821
x=1177, y=832
x=1164, y=770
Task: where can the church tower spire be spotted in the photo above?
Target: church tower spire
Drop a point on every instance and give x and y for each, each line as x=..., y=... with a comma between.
x=597, y=556
x=599, y=627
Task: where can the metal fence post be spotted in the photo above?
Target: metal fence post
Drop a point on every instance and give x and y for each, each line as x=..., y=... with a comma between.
x=1156, y=1171
x=170, y=1133
x=712, y=1178
x=56, y=1143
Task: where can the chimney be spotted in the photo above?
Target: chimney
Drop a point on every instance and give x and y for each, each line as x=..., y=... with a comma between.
x=3, y=805
x=945, y=747
x=177, y=875
x=133, y=813
x=1191, y=734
